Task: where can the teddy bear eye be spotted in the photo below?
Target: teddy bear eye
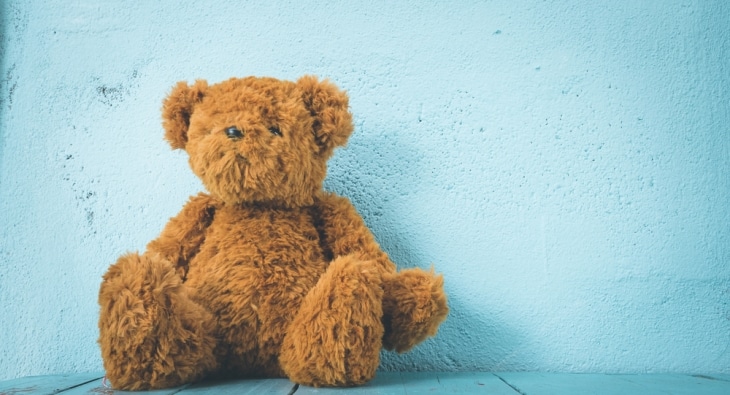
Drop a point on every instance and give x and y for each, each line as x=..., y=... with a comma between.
x=234, y=133
x=275, y=131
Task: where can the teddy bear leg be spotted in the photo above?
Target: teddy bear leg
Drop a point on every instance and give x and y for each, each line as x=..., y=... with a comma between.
x=335, y=338
x=151, y=334
x=414, y=305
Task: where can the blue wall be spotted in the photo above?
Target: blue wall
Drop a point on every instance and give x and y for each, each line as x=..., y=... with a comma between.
x=565, y=165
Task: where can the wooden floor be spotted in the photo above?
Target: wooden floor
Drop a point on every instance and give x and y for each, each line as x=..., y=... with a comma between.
x=410, y=384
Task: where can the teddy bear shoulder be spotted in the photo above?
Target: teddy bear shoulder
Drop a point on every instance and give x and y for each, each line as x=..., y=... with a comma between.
x=184, y=232
x=200, y=208
x=331, y=205
x=346, y=231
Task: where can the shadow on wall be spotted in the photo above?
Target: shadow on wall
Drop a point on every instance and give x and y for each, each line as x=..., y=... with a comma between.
x=376, y=172
x=467, y=341
x=379, y=173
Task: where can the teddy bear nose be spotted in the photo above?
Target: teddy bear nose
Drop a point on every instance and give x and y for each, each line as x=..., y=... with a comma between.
x=234, y=133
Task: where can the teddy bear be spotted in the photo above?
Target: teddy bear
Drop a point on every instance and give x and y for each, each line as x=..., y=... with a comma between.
x=266, y=274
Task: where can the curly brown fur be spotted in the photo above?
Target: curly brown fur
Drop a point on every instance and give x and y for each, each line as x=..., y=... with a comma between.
x=414, y=306
x=266, y=275
x=151, y=334
x=335, y=336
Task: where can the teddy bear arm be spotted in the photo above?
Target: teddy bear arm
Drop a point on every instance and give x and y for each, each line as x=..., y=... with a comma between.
x=346, y=233
x=182, y=236
x=414, y=305
x=414, y=302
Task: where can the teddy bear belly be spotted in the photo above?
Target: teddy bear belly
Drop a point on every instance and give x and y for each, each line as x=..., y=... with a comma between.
x=253, y=282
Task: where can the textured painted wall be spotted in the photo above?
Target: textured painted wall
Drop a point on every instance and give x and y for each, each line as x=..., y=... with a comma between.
x=564, y=165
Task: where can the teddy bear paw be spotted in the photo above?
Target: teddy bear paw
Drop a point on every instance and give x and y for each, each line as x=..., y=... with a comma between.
x=151, y=334
x=336, y=336
x=414, y=306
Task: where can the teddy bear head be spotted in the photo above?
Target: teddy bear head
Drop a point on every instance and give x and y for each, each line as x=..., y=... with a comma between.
x=258, y=140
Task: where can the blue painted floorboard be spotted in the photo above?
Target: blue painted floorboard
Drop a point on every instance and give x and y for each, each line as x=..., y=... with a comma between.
x=54, y=384
x=619, y=384
x=407, y=383
x=423, y=383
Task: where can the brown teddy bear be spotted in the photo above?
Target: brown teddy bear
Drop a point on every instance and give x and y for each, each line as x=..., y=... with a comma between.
x=266, y=275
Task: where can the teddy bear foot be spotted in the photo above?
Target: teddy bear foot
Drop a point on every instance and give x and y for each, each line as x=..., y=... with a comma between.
x=151, y=334
x=414, y=305
x=336, y=336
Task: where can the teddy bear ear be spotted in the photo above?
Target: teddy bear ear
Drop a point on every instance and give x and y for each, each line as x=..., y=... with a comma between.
x=329, y=106
x=177, y=109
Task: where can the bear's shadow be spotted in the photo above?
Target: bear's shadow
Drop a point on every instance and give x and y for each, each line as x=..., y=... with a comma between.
x=374, y=171
x=371, y=171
